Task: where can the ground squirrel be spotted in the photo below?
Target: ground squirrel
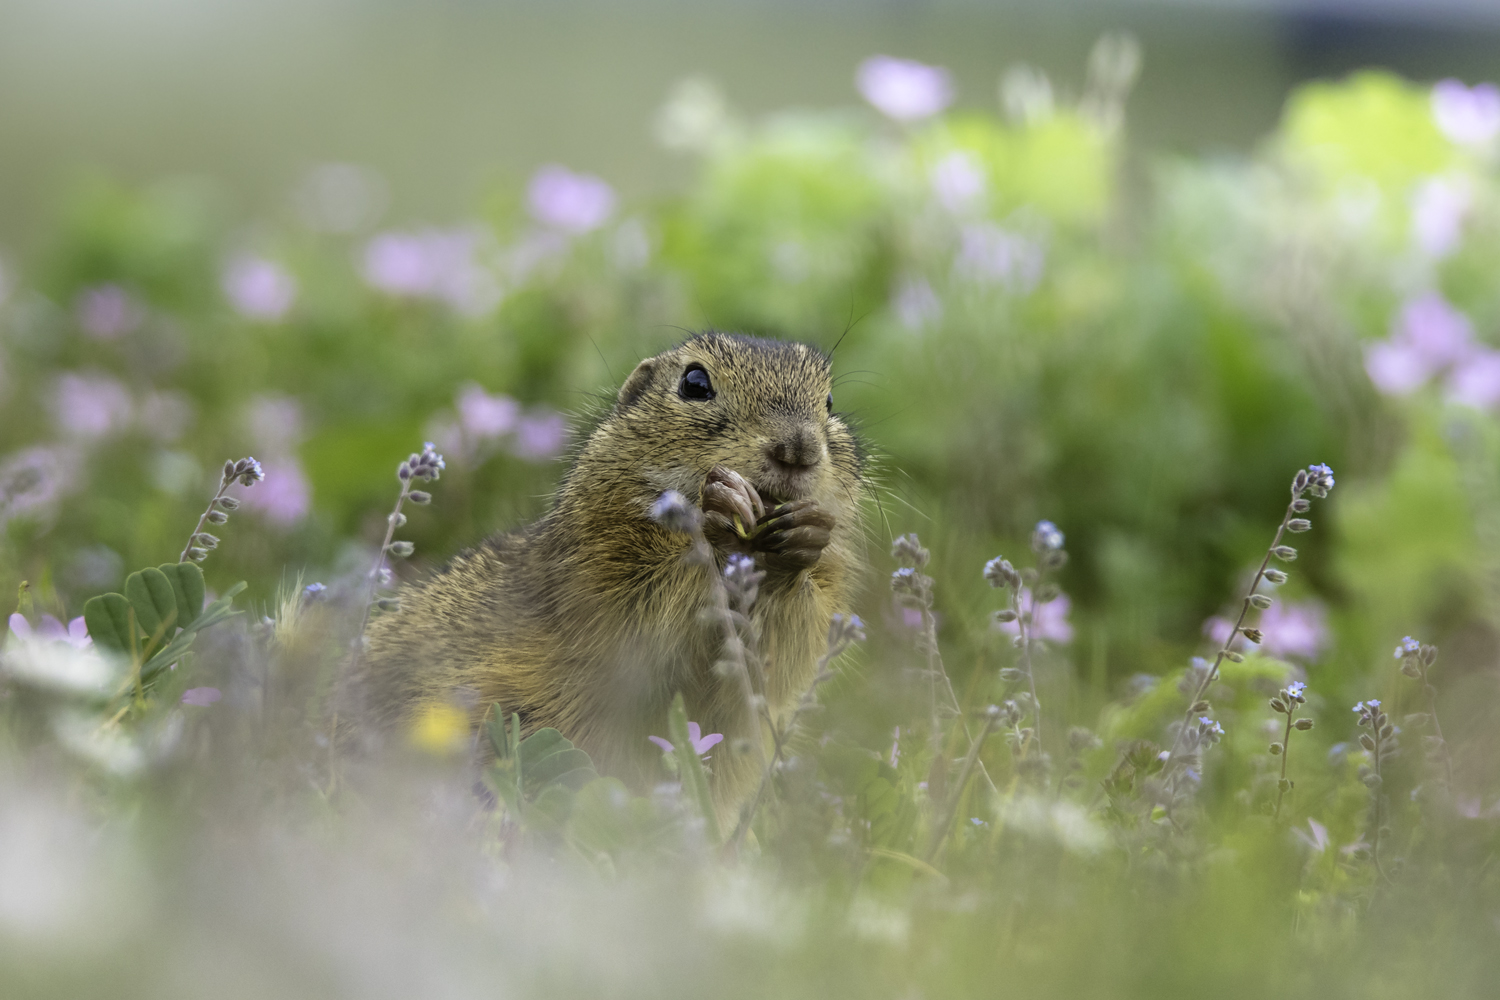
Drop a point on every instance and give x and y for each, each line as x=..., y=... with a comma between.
x=590, y=621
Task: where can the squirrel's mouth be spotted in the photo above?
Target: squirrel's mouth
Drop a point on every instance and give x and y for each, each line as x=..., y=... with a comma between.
x=777, y=487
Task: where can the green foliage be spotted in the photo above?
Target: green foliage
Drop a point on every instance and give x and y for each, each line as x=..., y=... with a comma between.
x=155, y=621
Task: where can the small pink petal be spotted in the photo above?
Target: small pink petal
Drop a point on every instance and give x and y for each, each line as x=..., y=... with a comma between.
x=201, y=697
x=52, y=629
x=707, y=743
x=20, y=626
x=78, y=632
x=666, y=747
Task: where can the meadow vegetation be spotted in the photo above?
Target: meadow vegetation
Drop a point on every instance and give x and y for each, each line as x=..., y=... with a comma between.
x=1171, y=457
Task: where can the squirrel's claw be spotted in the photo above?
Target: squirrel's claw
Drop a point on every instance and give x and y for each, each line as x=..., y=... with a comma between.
x=728, y=493
x=793, y=535
x=731, y=508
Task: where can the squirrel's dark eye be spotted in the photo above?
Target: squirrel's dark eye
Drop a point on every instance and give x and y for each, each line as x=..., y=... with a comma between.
x=830, y=402
x=695, y=384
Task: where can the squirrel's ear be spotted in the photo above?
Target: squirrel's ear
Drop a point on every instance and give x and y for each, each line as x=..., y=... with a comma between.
x=637, y=384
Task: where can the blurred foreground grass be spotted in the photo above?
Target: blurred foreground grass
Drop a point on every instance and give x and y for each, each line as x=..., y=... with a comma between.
x=1021, y=340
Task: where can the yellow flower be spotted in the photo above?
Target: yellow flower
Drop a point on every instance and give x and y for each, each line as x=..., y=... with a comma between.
x=440, y=728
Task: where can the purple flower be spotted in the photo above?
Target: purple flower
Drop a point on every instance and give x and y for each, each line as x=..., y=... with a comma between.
x=1049, y=621
x=75, y=634
x=1466, y=115
x=1427, y=336
x=1475, y=381
x=1437, y=215
x=284, y=496
x=483, y=415
x=541, y=434
x=701, y=744
x=33, y=480
x=1218, y=629
x=915, y=304
x=1438, y=331
x=107, y=311
x=258, y=288
x=959, y=182
x=989, y=254
x=1396, y=368
x=903, y=89
x=573, y=203
x=1316, y=836
x=91, y=406
x=202, y=697
x=1299, y=630
x=433, y=264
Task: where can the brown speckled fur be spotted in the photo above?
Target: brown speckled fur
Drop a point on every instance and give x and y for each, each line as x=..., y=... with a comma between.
x=589, y=620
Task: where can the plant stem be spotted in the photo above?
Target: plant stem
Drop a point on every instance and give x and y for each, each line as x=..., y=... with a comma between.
x=950, y=810
x=1021, y=623
x=224, y=483
x=1437, y=727
x=702, y=552
x=779, y=739
x=390, y=532
x=1286, y=749
x=1213, y=671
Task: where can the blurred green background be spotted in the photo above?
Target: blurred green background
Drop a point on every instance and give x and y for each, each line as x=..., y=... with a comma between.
x=1125, y=266
x=313, y=232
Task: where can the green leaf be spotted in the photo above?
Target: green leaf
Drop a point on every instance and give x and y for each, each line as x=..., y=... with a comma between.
x=548, y=758
x=167, y=655
x=690, y=767
x=187, y=584
x=213, y=614
x=108, y=619
x=155, y=602
x=494, y=728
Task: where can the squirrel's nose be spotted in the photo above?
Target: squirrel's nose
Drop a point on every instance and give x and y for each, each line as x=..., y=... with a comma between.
x=799, y=449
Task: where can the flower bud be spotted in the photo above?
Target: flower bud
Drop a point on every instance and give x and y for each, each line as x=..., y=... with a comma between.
x=1260, y=601
x=197, y=554
x=1299, y=524
x=1253, y=634
x=1004, y=616
x=401, y=549
x=388, y=603
x=1367, y=741
x=1012, y=674
x=1276, y=749
x=417, y=496
x=228, y=503
x=1301, y=506
x=398, y=519
x=1200, y=706
x=1303, y=724
x=204, y=540
x=1284, y=785
x=1284, y=552
x=228, y=471
x=217, y=517
x=1277, y=705
x=1233, y=657
x=1275, y=576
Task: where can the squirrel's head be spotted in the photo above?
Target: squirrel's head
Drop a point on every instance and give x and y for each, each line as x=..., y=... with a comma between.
x=763, y=408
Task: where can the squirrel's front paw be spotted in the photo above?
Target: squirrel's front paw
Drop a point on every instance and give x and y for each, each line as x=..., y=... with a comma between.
x=731, y=509
x=793, y=535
